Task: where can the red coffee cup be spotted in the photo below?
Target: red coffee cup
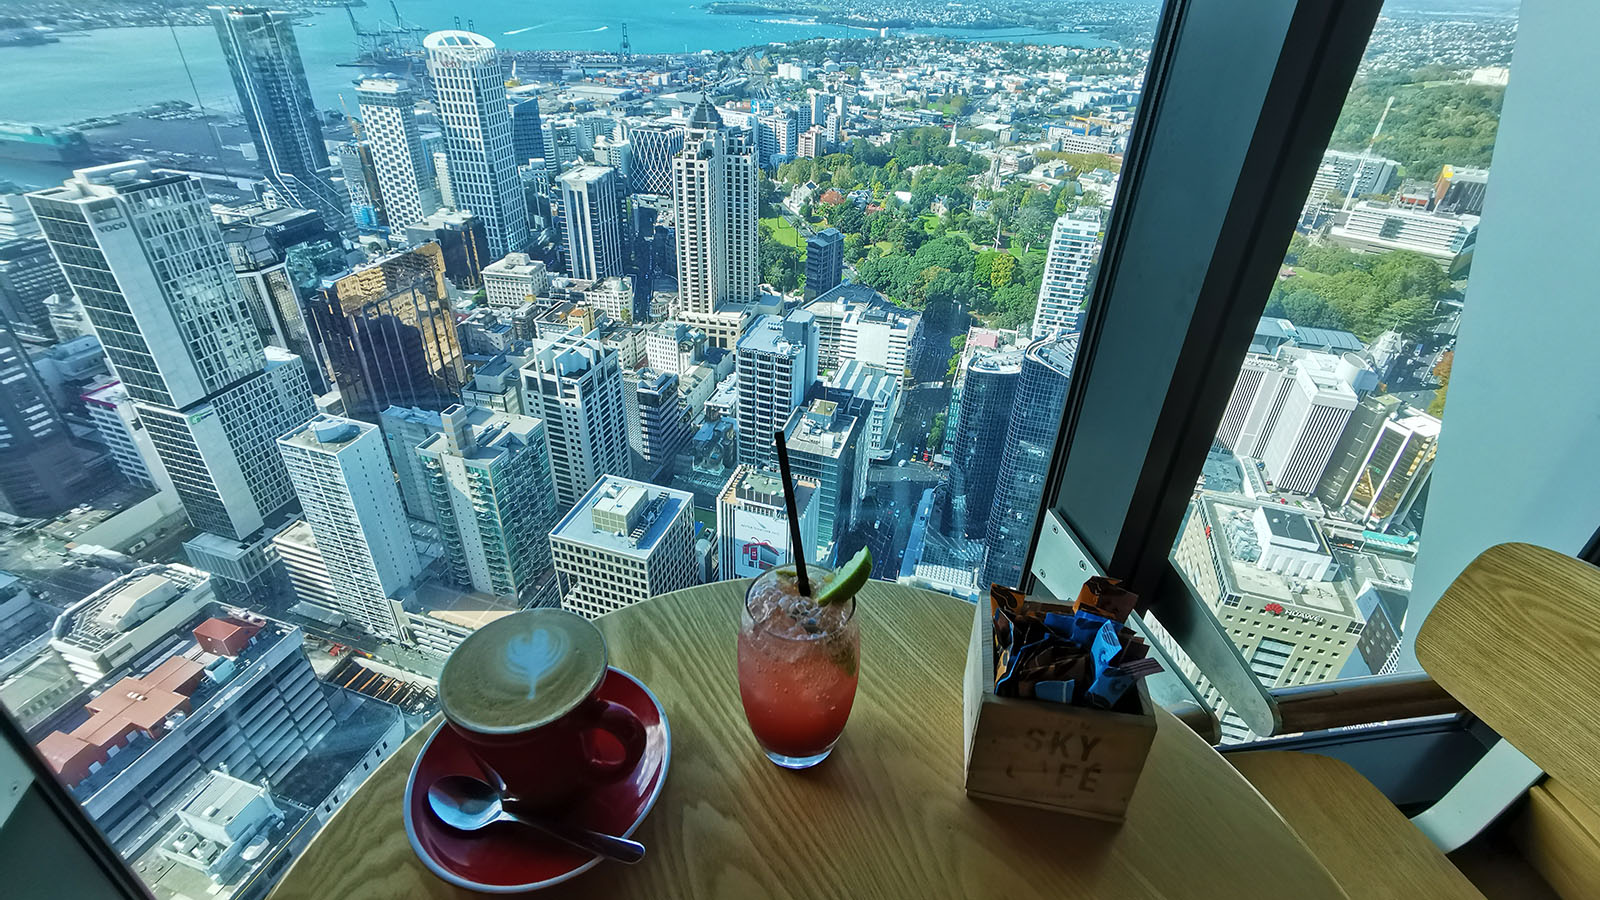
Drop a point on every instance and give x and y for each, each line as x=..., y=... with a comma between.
x=521, y=691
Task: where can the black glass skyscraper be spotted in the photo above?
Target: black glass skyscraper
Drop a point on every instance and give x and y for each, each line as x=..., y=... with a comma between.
x=275, y=98
x=1025, y=462
x=527, y=131
x=987, y=394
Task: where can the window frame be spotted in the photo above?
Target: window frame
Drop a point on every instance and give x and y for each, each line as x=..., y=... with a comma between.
x=1246, y=94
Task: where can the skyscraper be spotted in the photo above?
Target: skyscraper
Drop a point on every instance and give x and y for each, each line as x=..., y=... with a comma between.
x=28, y=275
x=527, y=131
x=624, y=541
x=470, y=88
x=716, y=206
x=776, y=362
x=264, y=60
x=347, y=493
x=824, y=261
x=388, y=334
x=1354, y=447
x=1025, y=460
x=655, y=145
x=657, y=426
x=271, y=298
x=405, y=428
x=1074, y=250
x=825, y=444
x=592, y=197
x=753, y=522
x=978, y=438
x=575, y=385
x=147, y=259
x=405, y=174
x=39, y=472
x=1317, y=404
x=361, y=183
x=1393, y=471
x=488, y=474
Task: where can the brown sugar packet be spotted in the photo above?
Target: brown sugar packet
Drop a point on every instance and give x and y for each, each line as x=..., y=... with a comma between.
x=1102, y=596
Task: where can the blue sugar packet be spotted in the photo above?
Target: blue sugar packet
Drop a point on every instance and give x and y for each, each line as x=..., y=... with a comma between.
x=1108, y=687
x=1060, y=623
x=1055, y=691
x=1105, y=646
x=1084, y=626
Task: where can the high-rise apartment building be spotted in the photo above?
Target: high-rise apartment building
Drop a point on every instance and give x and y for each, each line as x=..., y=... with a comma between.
x=405, y=428
x=147, y=259
x=655, y=145
x=1025, y=459
x=826, y=445
x=623, y=542
x=470, y=93
x=1068, y=269
x=490, y=481
x=262, y=56
x=592, y=198
x=514, y=280
x=347, y=493
x=753, y=522
x=716, y=197
x=776, y=362
x=28, y=276
x=824, y=261
x=40, y=473
x=574, y=384
x=405, y=173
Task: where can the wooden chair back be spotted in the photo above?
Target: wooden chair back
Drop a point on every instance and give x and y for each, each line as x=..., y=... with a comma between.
x=1516, y=639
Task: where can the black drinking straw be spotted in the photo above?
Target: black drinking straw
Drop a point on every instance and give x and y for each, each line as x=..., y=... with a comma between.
x=797, y=550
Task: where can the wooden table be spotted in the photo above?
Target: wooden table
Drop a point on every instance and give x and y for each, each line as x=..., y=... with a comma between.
x=884, y=817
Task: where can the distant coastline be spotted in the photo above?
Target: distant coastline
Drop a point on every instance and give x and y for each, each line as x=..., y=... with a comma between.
x=805, y=13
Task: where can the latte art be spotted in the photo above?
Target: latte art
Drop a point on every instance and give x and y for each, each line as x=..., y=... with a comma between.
x=522, y=671
x=530, y=656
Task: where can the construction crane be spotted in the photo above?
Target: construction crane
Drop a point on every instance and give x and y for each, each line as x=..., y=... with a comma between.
x=625, y=50
x=1366, y=155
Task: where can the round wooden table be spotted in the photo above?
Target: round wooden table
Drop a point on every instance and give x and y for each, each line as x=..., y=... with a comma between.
x=885, y=816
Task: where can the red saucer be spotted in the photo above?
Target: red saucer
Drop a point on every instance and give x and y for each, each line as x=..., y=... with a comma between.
x=510, y=859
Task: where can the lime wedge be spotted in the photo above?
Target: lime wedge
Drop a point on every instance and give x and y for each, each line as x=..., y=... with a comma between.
x=845, y=580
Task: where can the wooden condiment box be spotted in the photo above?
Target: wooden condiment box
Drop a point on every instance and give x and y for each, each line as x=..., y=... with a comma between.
x=1073, y=759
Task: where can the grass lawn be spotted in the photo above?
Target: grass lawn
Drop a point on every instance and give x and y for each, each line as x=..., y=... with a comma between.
x=783, y=232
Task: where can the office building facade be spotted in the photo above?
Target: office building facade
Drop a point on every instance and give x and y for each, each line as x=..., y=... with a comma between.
x=39, y=471
x=115, y=417
x=753, y=522
x=347, y=493
x=825, y=444
x=514, y=280
x=28, y=276
x=824, y=261
x=1041, y=394
x=405, y=428
x=470, y=94
x=405, y=174
x=624, y=542
x=655, y=145
x=592, y=198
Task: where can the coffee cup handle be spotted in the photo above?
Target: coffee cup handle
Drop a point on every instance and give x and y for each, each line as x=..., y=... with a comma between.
x=623, y=725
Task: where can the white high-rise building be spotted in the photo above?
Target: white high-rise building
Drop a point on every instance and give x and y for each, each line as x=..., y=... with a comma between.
x=623, y=542
x=592, y=200
x=405, y=173
x=470, y=92
x=1316, y=406
x=489, y=477
x=716, y=193
x=776, y=362
x=347, y=492
x=753, y=521
x=511, y=281
x=1074, y=249
x=405, y=428
x=882, y=389
x=574, y=383
x=155, y=279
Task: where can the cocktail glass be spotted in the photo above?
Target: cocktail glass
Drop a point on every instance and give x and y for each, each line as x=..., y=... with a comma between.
x=798, y=666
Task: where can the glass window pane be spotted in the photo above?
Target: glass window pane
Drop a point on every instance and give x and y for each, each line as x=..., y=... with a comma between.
x=290, y=408
x=1303, y=531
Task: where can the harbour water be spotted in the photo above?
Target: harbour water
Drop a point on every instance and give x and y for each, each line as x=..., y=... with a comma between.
x=117, y=70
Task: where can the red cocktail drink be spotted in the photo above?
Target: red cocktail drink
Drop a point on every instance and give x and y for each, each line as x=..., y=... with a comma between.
x=798, y=665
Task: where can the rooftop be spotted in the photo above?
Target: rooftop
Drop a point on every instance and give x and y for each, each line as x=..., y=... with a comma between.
x=1320, y=598
x=645, y=509
x=326, y=434
x=108, y=613
x=1291, y=525
x=819, y=429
